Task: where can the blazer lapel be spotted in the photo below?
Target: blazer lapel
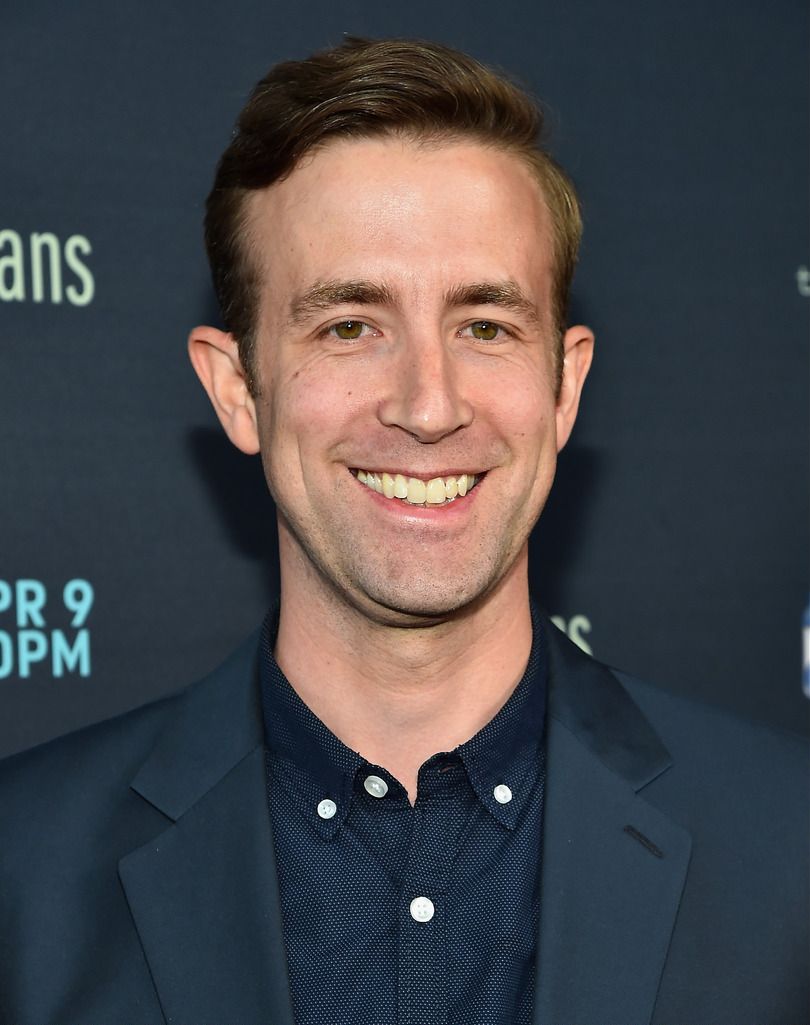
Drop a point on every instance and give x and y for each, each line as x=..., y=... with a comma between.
x=613, y=866
x=203, y=894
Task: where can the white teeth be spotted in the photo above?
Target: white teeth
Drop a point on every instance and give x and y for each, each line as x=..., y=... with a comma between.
x=436, y=491
x=417, y=491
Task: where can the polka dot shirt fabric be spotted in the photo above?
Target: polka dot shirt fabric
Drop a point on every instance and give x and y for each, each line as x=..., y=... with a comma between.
x=400, y=915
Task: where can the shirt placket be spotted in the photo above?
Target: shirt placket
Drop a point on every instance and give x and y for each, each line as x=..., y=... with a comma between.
x=424, y=912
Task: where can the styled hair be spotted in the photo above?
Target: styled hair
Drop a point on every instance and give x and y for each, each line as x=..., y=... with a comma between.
x=363, y=89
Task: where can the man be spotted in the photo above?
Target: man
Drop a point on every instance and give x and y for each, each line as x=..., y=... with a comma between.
x=409, y=799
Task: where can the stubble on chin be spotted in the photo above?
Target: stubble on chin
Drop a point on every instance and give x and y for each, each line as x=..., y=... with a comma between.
x=344, y=575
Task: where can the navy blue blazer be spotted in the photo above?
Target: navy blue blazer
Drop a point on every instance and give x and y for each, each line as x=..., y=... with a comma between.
x=137, y=883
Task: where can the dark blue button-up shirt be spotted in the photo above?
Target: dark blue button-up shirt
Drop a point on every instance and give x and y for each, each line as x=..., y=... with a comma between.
x=395, y=914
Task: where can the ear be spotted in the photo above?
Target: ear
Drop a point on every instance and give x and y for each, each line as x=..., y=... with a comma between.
x=578, y=353
x=215, y=356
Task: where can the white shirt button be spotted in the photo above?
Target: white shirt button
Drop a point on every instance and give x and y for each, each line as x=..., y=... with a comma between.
x=422, y=909
x=375, y=786
x=327, y=808
x=502, y=794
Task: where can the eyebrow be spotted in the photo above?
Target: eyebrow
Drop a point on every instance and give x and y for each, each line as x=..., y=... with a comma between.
x=506, y=294
x=324, y=295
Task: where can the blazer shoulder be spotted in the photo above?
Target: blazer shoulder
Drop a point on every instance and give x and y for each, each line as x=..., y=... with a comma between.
x=83, y=770
x=690, y=728
x=744, y=784
x=715, y=773
x=59, y=775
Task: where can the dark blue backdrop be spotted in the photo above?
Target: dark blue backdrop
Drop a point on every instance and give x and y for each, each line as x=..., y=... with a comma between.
x=675, y=543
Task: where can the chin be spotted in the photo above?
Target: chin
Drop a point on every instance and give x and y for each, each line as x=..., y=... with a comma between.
x=421, y=602
x=410, y=592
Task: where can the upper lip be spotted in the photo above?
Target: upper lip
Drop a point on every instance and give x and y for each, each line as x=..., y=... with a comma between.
x=418, y=474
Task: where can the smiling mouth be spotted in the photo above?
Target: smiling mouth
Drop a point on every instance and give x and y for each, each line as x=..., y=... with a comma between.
x=434, y=492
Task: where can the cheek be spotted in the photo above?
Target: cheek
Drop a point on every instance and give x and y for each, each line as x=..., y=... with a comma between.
x=315, y=410
x=523, y=410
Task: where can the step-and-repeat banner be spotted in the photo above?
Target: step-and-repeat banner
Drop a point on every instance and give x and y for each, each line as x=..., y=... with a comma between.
x=137, y=547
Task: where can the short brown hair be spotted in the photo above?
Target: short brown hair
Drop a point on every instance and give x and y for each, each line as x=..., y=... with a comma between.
x=361, y=89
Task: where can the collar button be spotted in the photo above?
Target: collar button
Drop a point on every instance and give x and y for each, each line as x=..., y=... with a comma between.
x=327, y=809
x=502, y=794
x=375, y=786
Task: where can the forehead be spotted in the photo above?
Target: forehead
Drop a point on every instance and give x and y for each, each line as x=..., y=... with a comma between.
x=417, y=216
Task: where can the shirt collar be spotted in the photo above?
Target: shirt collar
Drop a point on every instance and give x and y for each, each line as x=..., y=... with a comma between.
x=297, y=735
x=506, y=752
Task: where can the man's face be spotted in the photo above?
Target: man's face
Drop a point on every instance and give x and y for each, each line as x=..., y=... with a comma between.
x=405, y=328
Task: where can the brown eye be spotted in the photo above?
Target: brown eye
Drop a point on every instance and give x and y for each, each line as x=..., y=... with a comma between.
x=349, y=329
x=485, y=330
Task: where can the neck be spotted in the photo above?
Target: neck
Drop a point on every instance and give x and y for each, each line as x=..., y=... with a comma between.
x=395, y=694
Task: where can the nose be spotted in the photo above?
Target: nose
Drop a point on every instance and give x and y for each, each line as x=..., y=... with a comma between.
x=425, y=395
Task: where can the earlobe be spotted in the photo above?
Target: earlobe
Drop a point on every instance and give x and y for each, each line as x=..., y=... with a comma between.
x=214, y=355
x=578, y=345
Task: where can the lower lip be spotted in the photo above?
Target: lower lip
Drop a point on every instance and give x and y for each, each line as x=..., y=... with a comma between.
x=423, y=513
